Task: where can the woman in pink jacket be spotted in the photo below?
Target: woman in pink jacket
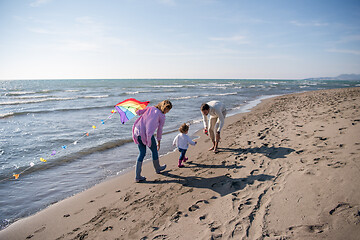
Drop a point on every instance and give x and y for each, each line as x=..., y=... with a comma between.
x=151, y=118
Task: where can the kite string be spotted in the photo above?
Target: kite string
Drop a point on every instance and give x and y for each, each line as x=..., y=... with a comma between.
x=63, y=148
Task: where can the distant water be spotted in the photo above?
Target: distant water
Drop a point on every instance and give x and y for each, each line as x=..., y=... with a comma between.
x=39, y=118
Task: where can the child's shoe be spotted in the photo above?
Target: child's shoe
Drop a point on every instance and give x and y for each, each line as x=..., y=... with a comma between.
x=181, y=165
x=185, y=159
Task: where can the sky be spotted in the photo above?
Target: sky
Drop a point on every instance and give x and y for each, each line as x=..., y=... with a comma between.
x=208, y=39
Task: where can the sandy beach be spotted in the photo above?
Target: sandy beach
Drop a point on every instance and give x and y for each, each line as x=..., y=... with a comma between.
x=289, y=169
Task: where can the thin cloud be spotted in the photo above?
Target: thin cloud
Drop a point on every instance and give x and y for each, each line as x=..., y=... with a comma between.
x=79, y=46
x=351, y=38
x=167, y=2
x=84, y=20
x=308, y=24
x=347, y=51
x=233, y=39
x=38, y=3
x=43, y=31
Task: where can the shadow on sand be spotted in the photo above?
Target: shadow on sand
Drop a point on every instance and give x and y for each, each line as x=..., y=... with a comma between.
x=270, y=152
x=223, y=185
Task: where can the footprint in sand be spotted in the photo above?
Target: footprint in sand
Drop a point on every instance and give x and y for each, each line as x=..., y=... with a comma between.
x=163, y=237
x=203, y=217
x=308, y=228
x=109, y=228
x=337, y=164
x=79, y=211
x=340, y=208
x=195, y=206
x=40, y=230
x=176, y=216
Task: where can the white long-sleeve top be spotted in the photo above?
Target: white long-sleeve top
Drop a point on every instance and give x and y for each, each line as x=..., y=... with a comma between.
x=182, y=141
x=216, y=109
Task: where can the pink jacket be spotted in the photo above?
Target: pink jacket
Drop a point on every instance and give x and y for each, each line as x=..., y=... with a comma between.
x=151, y=118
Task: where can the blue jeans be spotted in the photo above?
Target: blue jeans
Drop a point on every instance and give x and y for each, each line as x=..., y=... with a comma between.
x=142, y=149
x=182, y=153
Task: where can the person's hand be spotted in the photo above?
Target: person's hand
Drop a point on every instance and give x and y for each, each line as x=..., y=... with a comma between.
x=205, y=131
x=158, y=146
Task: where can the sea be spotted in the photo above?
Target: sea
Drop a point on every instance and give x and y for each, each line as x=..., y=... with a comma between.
x=61, y=137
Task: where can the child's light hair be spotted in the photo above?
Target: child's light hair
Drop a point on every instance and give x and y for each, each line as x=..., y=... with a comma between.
x=163, y=105
x=184, y=128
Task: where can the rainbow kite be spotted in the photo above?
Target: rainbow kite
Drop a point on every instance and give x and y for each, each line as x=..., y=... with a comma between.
x=127, y=108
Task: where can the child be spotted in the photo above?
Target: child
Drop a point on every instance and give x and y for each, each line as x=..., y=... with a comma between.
x=181, y=141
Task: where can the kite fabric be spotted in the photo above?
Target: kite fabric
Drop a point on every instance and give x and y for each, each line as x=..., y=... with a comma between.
x=127, y=108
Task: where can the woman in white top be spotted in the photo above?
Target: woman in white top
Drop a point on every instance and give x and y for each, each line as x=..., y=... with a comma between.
x=181, y=141
x=217, y=112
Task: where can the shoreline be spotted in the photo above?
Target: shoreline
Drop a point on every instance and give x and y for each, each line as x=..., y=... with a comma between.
x=195, y=123
x=246, y=177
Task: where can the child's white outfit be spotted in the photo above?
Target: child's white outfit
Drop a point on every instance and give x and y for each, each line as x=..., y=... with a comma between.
x=182, y=141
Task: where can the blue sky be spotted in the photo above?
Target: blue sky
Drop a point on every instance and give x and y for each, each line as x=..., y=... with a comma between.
x=243, y=39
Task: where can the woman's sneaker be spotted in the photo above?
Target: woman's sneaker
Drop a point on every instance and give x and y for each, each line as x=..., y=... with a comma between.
x=162, y=168
x=141, y=179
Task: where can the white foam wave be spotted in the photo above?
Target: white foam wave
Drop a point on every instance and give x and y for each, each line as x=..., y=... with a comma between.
x=5, y=115
x=225, y=94
x=32, y=96
x=35, y=101
x=72, y=90
x=100, y=96
x=131, y=93
x=169, y=86
x=182, y=98
x=18, y=93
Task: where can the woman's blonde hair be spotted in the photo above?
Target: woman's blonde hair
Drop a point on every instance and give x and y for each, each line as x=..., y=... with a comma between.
x=163, y=105
x=184, y=128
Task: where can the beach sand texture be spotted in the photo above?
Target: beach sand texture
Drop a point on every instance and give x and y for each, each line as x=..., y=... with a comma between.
x=289, y=169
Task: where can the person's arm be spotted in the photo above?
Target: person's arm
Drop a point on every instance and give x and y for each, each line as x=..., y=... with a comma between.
x=190, y=141
x=205, y=120
x=176, y=140
x=141, y=111
x=160, y=129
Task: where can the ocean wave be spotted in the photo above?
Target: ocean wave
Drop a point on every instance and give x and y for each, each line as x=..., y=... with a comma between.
x=32, y=96
x=36, y=101
x=170, y=86
x=5, y=115
x=225, y=94
x=131, y=93
x=72, y=90
x=18, y=93
x=11, y=114
x=100, y=96
x=182, y=98
x=54, y=162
